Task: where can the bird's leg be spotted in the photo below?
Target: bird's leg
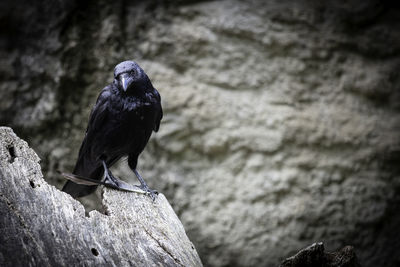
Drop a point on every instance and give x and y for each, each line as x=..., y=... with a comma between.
x=111, y=181
x=144, y=186
x=132, y=162
x=109, y=177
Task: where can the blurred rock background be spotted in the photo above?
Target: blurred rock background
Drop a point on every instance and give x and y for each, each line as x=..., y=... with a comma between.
x=282, y=118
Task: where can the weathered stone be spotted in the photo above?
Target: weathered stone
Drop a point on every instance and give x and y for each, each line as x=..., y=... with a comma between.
x=315, y=256
x=42, y=226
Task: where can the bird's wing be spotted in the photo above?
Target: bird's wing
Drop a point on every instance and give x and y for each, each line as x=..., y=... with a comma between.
x=96, y=119
x=159, y=113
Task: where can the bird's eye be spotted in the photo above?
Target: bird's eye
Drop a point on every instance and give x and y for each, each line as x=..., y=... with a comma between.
x=133, y=72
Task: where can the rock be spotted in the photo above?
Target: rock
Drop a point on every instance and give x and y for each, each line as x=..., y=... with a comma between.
x=42, y=226
x=281, y=118
x=315, y=256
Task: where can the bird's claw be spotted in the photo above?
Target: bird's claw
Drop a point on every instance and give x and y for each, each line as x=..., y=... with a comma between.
x=111, y=183
x=110, y=180
x=152, y=193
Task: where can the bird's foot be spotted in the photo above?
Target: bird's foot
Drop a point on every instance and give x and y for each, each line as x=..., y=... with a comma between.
x=111, y=181
x=152, y=193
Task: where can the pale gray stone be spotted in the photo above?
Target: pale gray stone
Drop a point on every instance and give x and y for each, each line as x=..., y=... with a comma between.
x=42, y=226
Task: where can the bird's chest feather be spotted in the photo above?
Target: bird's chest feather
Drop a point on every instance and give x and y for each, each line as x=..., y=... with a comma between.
x=137, y=114
x=131, y=124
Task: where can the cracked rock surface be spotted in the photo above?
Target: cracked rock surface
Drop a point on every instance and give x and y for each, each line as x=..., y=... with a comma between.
x=42, y=226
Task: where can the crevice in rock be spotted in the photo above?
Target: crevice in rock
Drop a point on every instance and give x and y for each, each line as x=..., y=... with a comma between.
x=95, y=252
x=11, y=151
x=163, y=248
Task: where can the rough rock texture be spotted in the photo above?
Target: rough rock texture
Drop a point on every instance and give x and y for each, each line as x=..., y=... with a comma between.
x=315, y=256
x=281, y=122
x=42, y=226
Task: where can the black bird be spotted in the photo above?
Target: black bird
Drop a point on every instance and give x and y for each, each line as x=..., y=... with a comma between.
x=120, y=124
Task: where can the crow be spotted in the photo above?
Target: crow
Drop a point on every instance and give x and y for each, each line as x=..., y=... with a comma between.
x=125, y=114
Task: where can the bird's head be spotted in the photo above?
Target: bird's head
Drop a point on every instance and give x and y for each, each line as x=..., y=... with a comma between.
x=128, y=76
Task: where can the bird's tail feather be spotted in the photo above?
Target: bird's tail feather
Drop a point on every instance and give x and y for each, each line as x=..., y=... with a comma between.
x=81, y=190
x=77, y=190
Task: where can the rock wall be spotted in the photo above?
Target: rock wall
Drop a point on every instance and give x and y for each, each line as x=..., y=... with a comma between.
x=281, y=122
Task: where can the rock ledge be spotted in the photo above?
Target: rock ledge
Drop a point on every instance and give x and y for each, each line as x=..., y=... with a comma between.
x=42, y=226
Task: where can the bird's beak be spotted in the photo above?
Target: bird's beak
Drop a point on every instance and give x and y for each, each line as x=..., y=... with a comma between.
x=126, y=81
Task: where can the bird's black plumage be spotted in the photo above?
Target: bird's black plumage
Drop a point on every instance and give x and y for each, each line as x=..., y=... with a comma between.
x=120, y=124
